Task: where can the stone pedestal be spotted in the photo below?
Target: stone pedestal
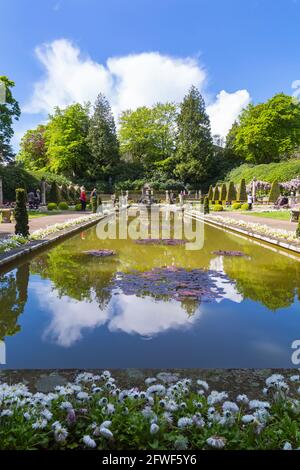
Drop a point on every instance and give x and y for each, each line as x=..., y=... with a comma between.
x=167, y=197
x=43, y=193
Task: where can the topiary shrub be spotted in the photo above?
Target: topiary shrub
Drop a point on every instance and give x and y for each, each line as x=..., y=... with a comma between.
x=245, y=207
x=52, y=206
x=78, y=207
x=298, y=229
x=218, y=208
x=236, y=206
x=94, y=204
x=65, y=192
x=20, y=213
x=275, y=192
x=231, y=193
x=223, y=192
x=63, y=206
x=242, y=192
x=206, y=206
x=210, y=193
x=54, y=195
x=216, y=195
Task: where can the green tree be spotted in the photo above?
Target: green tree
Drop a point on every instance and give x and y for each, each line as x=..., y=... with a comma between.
x=66, y=141
x=231, y=192
x=147, y=136
x=216, y=196
x=9, y=111
x=210, y=194
x=33, y=149
x=206, y=205
x=267, y=132
x=102, y=140
x=275, y=192
x=54, y=195
x=242, y=191
x=194, y=142
x=21, y=215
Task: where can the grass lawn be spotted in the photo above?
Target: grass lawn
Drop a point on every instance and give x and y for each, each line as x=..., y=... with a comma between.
x=280, y=215
x=35, y=215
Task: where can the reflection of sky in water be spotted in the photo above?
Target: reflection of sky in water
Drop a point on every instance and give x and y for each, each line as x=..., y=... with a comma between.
x=2, y=353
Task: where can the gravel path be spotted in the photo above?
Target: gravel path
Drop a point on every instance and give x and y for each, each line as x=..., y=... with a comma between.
x=272, y=223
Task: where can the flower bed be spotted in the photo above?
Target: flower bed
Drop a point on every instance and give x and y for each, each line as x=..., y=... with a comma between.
x=92, y=412
x=16, y=241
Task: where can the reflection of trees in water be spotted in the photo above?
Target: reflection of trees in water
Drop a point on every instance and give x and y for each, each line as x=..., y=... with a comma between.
x=75, y=275
x=272, y=281
x=13, y=298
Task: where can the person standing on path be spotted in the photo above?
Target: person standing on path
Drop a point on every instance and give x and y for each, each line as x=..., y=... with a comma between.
x=250, y=201
x=83, y=198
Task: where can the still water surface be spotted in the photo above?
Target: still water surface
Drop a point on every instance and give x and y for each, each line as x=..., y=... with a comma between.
x=59, y=309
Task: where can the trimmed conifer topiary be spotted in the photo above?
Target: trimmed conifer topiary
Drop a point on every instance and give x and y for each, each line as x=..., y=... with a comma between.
x=21, y=214
x=54, y=195
x=231, y=193
x=275, y=192
x=94, y=204
x=206, y=206
x=216, y=195
x=210, y=194
x=242, y=192
x=223, y=192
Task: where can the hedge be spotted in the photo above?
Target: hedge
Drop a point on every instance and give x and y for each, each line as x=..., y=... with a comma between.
x=283, y=171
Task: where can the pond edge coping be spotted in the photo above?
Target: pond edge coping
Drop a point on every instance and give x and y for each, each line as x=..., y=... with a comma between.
x=272, y=241
x=35, y=245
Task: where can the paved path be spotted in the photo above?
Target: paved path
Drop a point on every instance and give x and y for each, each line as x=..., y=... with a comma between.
x=42, y=222
x=272, y=223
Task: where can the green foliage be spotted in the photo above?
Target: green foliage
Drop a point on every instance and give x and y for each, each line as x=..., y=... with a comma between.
x=242, y=191
x=54, y=195
x=245, y=207
x=94, y=204
x=275, y=192
x=33, y=149
x=66, y=141
x=21, y=215
x=9, y=111
x=14, y=176
x=63, y=206
x=231, y=193
x=147, y=136
x=78, y=207
x=102, y=141
x=223, y=192
x=267, y=132
x=210, y=194
x=282, y=171
x=52, y=206
x=217, y=208
x=216, y=195
x=236, y=206
x=298, y=229
x=194, y=150
x=206, y=205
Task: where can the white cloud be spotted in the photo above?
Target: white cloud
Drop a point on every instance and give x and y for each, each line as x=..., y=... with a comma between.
x=128, y=82
x=224, y=111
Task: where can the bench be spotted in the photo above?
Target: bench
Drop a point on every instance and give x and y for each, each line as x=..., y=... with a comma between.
x=6, y=215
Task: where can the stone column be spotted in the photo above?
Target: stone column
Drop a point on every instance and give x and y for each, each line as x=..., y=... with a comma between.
x=1, y=192
x=167, y=197
x=181, y=199
x=43, y=193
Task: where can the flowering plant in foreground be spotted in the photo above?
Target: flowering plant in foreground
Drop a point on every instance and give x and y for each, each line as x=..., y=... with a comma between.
x=93, y=413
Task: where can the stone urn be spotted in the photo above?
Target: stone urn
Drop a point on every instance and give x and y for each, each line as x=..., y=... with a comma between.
x=6, y=216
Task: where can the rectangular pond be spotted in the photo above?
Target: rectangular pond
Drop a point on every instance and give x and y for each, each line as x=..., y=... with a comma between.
x=151, y=305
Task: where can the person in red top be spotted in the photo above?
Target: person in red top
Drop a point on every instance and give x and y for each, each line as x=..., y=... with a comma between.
x=83, y=198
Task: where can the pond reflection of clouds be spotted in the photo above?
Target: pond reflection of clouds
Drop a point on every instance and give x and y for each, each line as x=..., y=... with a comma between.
x=129, y=314
x=2, y=352
x=230, y=291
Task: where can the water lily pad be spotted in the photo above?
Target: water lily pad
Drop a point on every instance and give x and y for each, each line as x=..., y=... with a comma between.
x=228, y=253
x=100, y=253
x=160, y=241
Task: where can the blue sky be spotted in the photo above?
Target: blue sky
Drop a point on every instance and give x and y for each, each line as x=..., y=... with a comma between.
x=141, y=51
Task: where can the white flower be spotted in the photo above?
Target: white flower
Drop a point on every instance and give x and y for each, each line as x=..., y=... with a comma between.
x=203, y=384
x=171, y=406
x=216, y=397
x=27, y=416
x=287, y=446
x=83, y=396
x=216, y=442
x=103, y=401
x=154, y=428
x=89, y=442
x=105, y=424
x=274, y=379
x=147, y=412
x=258, y=404
x=6, y=413
x=184, y=422
x=104, y=431
x=248, y=419
x=110, y=409
x=150, y=380
x=66, y=405
x=168, y=417
x=156, y=389
x=230, y=406
x=60, y=434
x=198, y=421
x=242, y=399
x=46, y=414
x=40, y=424
x=295, y=378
